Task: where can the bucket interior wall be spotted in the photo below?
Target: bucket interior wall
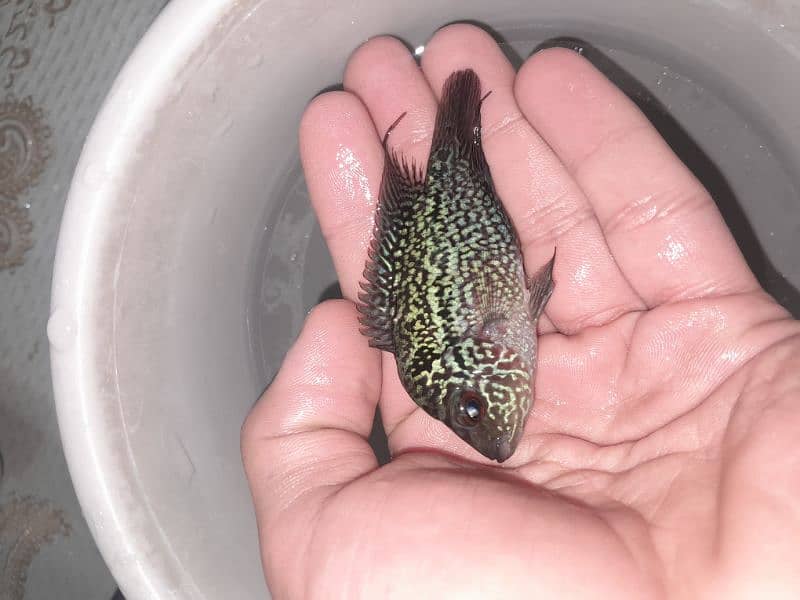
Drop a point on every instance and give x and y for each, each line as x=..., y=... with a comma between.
x=214, y=257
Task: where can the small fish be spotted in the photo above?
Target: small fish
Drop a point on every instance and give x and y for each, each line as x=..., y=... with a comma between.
x=444, y=286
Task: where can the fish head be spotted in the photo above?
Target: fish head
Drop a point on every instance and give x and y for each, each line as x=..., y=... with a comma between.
x=488, y=397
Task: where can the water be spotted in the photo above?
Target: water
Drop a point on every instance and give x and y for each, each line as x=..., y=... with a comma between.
x=732, y=149
x=296, y=274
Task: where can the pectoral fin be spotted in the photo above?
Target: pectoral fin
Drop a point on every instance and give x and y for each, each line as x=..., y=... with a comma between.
x=541, y=287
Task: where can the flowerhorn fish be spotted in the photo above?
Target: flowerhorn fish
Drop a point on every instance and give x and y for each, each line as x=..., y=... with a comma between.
x=444, y=286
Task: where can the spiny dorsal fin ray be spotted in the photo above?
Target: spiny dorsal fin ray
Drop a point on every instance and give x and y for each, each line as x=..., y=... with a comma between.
x=401, y=184
x=458, y=121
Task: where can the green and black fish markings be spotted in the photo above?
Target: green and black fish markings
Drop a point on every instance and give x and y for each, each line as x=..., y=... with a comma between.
x=444, y=286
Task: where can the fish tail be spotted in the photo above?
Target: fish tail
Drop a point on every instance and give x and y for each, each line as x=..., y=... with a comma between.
x=458, y=120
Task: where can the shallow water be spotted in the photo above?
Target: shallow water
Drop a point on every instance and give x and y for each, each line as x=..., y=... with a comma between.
x=735, y=151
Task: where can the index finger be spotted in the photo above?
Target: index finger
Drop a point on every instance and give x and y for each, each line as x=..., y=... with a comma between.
x=342, y=161
x=342, y=153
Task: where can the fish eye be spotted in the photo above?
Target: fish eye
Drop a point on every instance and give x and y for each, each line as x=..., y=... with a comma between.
x=471, y=409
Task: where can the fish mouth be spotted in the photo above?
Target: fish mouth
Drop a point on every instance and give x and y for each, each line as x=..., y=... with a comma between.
x=500, y=448
x=496, y=447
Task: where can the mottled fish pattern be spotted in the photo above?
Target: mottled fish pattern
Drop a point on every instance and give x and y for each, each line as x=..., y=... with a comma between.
x=444, y=287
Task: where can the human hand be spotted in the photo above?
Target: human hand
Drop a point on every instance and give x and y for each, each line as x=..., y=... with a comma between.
x=660, y=457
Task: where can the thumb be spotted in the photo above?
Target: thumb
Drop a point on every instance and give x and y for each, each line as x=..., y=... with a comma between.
x=306, y=438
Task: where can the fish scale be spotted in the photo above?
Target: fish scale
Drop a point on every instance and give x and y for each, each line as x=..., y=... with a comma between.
x=445, y=289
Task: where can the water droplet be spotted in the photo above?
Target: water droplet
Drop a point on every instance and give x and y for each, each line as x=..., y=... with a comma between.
x=177, y=87
x=224, y=127
x=582, y=274
x=674, y=251
x=212, y=215
x=254, y=61
x=93, y=175
x=353, y=177
x=60, y=330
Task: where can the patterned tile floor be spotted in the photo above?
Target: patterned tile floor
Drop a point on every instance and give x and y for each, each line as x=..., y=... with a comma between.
x=58, y=59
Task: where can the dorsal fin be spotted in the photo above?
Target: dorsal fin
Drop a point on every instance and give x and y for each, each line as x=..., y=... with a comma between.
x=458, y=120
x=401, y=184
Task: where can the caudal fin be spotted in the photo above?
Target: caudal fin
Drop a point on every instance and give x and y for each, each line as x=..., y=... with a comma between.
x=458, y=120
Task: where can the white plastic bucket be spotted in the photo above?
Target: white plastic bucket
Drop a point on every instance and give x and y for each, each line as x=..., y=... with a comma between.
x=188, y=255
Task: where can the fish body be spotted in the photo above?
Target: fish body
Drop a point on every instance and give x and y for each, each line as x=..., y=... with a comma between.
x=445, y=288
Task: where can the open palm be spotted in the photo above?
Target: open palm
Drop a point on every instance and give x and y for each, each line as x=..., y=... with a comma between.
x=660, y=457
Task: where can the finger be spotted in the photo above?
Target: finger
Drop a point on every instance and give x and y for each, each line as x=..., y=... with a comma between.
x=385, y=76
x=662, y=226
x=342, y=162
x=307, y=435
x=547, y=207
